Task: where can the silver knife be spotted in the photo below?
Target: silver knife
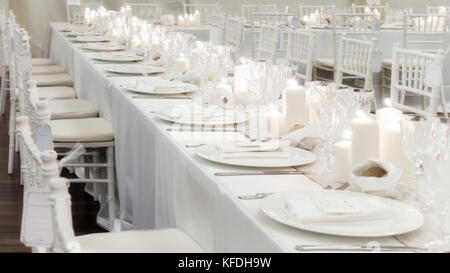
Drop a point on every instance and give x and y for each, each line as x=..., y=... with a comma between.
x=357, y=248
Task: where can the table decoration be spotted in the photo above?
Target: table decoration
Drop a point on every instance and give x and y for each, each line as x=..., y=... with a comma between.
x=294, y=105
x=365, y=139
x=276, y=124
x=343, y=160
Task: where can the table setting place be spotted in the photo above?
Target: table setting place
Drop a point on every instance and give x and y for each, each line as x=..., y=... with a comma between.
x=314, y=163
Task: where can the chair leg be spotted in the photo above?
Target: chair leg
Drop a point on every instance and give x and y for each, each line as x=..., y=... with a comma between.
x=3, y=90
x=97, y=173
x=444, y=101
x=111, y=191
x=12, y=137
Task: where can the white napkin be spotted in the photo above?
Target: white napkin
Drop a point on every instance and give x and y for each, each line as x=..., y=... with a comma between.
x=158, y=85
x=334, y=208
x=246, y=147
x=305, y=138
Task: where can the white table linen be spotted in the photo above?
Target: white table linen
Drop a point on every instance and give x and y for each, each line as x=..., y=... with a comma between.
x=163, y=184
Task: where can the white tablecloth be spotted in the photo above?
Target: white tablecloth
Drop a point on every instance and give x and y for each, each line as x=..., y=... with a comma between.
x=163, y=184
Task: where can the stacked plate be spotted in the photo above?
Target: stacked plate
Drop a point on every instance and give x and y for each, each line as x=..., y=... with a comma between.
x=91, y=39
x=103, y=47
x=157, y=86
x=137, y=69
x=118, y=57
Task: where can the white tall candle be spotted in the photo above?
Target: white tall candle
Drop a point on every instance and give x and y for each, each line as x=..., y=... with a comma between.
x=294, y=102
x=180, y=21
x=343, y=161
x=391, y=149
x=388, y=115
x=365, y=139
x=276, y=124
x=197, y=18
x=135, y=43
x=181, y=65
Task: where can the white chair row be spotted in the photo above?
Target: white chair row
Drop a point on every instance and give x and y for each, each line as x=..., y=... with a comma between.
x=72, y=122
x=43, y=175
x=75, y=12
x=145, y=11
x=207, y=11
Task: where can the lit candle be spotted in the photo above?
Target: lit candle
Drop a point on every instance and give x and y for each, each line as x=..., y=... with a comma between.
x=180, y=21
x=442, y=11
x=343, y=160
x=191, y=21
x=391, y=150
x=276, y=124
x=197, y=18
x=241, y=76
x=135, y=43
x=388, y=114
x=294, y=102
x=181, y=65
x=377, y=14
x=365, y=139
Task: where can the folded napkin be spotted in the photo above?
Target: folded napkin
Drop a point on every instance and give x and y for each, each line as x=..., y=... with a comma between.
x=256, y=146
x=274, y=155
x=158, y=85
x=334, y=208
x=305, y=137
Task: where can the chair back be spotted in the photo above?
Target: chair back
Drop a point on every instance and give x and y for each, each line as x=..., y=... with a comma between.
x=145, y=11
x=75, y=12
x=424, y=32
x=268, y=42
x=234, y=32
x=408, y=76
x=354, y=58
x=440, y=10
x=247, y=10
x=220, y=22
x=300, y=51
x=379, y=10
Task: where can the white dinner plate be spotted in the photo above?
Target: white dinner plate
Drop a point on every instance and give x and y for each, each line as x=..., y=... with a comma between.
x=224, y=117
x=118, y=58
x=401, y=218
x=103, y=47
x=91, y=39
x=81, y=34
x=136, y=69
x=186, y=88
x=297, y=157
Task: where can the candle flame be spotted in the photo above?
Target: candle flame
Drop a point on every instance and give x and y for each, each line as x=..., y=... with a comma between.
x=361, y=114
x=388, y=102
x=292, y=82
x=347, y=135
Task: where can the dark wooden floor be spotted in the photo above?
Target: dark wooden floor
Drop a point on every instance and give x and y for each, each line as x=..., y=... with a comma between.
x=84, y=209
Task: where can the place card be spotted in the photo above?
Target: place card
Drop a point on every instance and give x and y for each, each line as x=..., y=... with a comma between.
x=433, y=75
x=376, y=61
x=43, y=137
x=24, y=63
x=37, y=220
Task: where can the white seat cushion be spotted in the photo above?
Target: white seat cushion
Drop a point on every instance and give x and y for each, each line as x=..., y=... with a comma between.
x=53, y=80
x=47, y=69
x=56, y=93
x=72, y=109
x=151, y=241
x=387, y=62
x=81, y=130
x=41, y=61
x=325, y=62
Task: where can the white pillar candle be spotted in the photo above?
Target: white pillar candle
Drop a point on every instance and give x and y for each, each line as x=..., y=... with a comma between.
x=135, y=43
x=241, y=76
x=365, y=139
x=180, y=21
x=191, y=21
x=343, y=161
x=224, y=86
x=388, y=115
x=181, y=65
x=197, y=18
x=294, y=104
x=276, y=124
x=391, y=149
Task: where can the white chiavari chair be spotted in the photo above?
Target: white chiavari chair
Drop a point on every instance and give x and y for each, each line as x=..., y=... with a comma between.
x=234, y=33
x=145, y=11
x=75, y=12
x=41, y=172
x=354, y=59
x=324, y=11
x=360, y=26
x=420, y=32
x=247, y=10
x=206, y=11
x=268, y=43
x=219, y=21
x=300, y=52
x=278, y=19
x=409, y=70
x=371, y=9
x=6, y=32
x=433, y=10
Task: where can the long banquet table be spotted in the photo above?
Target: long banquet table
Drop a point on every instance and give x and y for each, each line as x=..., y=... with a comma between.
x=163, y=184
